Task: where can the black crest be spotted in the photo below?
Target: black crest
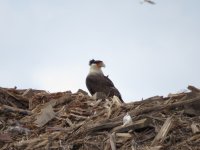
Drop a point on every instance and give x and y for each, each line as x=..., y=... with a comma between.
x=94, y=62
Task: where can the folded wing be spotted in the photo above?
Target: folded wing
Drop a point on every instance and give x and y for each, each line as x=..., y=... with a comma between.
x=101, y=83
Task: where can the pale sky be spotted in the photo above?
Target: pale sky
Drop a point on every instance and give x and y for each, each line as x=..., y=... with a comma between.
x=148, y=49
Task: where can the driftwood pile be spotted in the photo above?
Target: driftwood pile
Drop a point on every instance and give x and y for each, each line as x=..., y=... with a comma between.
x=35, y=119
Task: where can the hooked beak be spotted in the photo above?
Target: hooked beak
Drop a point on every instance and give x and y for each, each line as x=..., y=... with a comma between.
x=103, y=65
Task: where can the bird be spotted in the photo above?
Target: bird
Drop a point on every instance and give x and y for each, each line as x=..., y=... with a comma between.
x=148, y=1
x=96, y=81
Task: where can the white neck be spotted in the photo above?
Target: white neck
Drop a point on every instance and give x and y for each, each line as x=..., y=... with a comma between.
x=95, y=70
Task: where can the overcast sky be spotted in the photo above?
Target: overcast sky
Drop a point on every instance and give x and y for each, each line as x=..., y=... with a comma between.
x=148, y=49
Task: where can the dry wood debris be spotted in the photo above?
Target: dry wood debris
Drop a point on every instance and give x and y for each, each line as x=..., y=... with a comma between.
x=36, y=119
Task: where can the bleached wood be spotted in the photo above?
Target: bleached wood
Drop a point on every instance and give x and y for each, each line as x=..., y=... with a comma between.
x=112, y=141
x=160, y=137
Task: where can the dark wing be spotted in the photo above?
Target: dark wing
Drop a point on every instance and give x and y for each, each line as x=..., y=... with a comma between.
x=150, y=2
x=100, y=83
x=114, y=90
x=90, y=83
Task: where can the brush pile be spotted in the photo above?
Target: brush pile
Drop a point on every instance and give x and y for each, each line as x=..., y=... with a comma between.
x=36, y=119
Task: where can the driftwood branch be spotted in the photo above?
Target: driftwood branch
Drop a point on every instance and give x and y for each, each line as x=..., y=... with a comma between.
x=168, y=106
x=112, y=141
x=104, y=126
x=193, y=89
x=7, y=109
x=160, y=137
x=139, y=124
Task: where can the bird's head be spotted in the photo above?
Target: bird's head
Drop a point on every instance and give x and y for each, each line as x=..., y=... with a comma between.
x=95, y=66
x=97, y=63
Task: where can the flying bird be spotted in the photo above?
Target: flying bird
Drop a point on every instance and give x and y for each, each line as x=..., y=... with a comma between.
x=148, y=1
x=96, y=81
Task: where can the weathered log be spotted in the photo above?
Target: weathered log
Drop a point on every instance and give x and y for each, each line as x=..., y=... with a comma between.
x=7, y=109
x=103, y=126
x=46, y=115
x=139, y=124
x=160, y=137
x=113, y=141
x=124, y=135
x=13, y=100
x=193, y=89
